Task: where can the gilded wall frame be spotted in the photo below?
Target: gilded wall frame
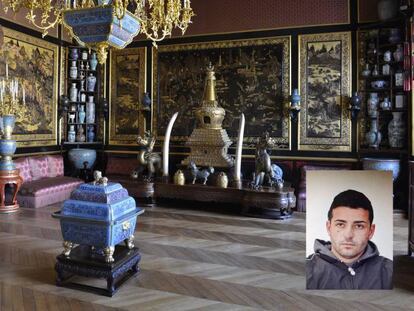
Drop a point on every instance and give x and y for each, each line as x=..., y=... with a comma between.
x=34, y=62
x=127, y=86
x=325, y=87
x=252, y=76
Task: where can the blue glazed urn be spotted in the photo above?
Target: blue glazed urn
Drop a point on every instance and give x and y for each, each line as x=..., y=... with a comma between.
x=78, y=156
x=7, y=122
x=7, y=149
x=100, y=216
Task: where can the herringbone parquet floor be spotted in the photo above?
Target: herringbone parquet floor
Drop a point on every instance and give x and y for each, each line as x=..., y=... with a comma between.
x=190, y=260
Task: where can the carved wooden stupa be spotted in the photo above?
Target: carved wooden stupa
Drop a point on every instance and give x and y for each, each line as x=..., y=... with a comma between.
x=209, y=142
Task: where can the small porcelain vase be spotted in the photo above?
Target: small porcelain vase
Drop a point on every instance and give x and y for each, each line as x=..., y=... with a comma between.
x=366, y=72
x=398, y=54
x=91, y=133
x=90, y=110
x=93, y=61
x=81, y=114
x=80, y=136
x=386, y=104
x=71, y=134
x=387, y=56
x=90, y=83
x=84, y=55
x=179, y=178
x=74, y=54
x=73, y=70
x=373, y=137
x=372, y=104
x=396, y=130
x=73, y=93
x=222, y=180
x=375, y=71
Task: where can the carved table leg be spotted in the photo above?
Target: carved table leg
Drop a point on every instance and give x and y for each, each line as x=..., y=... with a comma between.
x=109, y=251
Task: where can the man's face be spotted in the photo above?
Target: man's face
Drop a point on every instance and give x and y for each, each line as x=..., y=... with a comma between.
x=350, y=231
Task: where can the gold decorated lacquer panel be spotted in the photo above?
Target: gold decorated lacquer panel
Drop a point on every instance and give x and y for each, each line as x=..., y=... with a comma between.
x=325, y=86
x=34, y=62
x=127, y=76
x=252, y=77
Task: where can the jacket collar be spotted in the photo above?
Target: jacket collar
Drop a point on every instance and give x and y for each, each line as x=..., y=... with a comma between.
x=323, y=249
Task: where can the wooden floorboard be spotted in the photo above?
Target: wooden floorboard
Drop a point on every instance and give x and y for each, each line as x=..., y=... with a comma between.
x=191, y=260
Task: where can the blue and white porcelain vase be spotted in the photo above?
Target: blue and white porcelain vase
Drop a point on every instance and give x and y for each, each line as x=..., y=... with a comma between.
x=93, y=61
x=73, y=70
x=373, y=137
x=71, y=134
x=81, y=114
x=90, y=83
x=396, y=130
x=73, y=93
x=91, y=133
x=90, y=110
x=74, y=54
x=295, y=98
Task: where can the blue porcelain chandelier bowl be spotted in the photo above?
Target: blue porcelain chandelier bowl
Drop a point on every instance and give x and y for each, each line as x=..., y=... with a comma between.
x=103, y=24
x=78, y=156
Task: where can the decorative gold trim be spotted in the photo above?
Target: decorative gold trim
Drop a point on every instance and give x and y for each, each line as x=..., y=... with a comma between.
x=37, y=153
x=344, y=142
x=285, y=139
x=28, y=24
x=126, y=139
x=29, y=140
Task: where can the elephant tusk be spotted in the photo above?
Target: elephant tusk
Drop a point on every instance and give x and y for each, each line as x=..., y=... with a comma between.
x=166, y=147
x=237, y=172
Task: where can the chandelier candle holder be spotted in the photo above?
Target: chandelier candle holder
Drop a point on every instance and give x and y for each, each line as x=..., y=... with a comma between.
x=102, y=24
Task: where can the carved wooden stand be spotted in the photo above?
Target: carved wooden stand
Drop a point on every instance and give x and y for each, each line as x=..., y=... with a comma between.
x=9, y=177
x=83, y=262
x=265, y=203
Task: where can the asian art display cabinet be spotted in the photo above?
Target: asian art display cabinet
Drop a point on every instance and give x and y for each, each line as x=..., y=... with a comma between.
x=80, y=118
x=384, y=85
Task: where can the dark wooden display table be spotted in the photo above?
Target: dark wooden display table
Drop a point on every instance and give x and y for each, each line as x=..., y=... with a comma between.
x=268, y=202
x=82, y=262
x=11, y=177
x=138, y=189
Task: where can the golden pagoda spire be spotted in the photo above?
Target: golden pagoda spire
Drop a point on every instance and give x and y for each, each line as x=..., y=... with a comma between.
x=210, y=87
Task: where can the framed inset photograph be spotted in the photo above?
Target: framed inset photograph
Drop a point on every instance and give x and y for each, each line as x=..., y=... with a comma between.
x=35, y=63
x=127, y=79
x=252, y=77
x=325, y=87
x=349, y=229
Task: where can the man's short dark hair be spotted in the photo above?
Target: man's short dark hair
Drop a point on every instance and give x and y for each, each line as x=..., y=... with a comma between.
x=352, y=199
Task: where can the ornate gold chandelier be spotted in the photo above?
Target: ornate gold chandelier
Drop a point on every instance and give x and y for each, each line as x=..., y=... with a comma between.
x=98, y=24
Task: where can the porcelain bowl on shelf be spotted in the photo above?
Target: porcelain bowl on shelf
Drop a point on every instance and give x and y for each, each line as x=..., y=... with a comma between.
x=392, y=165
x=78, y=156
x=379, y=84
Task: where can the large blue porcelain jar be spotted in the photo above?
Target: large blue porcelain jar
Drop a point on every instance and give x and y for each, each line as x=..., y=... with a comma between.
x=78, y=156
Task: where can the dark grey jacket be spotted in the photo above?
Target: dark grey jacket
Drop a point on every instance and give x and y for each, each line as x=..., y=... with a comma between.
x=325, y=271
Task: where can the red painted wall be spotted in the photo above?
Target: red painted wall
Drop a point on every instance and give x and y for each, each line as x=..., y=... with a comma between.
x=367, y=10
x=218, y=16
